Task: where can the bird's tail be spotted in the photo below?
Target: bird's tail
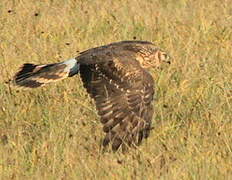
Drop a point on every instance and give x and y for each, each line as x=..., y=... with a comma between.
x=33, y=76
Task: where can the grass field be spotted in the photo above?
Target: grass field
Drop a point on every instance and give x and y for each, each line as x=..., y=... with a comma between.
x=54, y=132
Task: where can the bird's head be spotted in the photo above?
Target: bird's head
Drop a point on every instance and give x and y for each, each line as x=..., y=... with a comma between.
x=152, y=57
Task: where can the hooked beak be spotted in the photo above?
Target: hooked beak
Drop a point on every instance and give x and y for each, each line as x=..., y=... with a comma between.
x=168, y=60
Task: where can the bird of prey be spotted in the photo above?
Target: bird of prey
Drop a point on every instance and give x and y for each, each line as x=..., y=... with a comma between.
x=116, y=77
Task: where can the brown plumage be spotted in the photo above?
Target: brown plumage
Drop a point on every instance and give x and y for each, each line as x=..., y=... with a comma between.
x=116, y=77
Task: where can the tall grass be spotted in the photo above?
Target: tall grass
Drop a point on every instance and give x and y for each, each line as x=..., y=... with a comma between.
x=54, y=132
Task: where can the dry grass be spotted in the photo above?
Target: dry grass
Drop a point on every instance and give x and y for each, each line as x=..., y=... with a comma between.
x=54, y=132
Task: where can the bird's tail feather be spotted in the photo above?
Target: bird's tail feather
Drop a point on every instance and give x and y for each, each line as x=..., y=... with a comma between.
x=33, y=76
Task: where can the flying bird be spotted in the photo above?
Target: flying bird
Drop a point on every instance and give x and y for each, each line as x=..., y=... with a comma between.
x=116, y=77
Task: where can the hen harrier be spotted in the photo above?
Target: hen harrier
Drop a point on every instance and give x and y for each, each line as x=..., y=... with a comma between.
x=116, y=77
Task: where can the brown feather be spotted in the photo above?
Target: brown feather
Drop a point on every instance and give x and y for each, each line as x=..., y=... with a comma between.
x=127, y=93
x=115, y=76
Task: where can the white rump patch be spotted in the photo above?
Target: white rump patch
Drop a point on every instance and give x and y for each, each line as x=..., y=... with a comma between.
x=72, y=66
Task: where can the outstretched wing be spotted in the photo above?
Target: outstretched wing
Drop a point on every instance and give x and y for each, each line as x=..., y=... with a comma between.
x=123, y=92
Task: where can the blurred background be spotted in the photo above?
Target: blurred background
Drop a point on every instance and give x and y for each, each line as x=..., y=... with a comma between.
x=54, y=132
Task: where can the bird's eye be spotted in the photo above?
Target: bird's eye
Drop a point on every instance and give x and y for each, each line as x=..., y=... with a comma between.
x=165, y=56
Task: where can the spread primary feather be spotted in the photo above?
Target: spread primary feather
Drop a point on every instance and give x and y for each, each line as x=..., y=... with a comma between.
x=116, y=77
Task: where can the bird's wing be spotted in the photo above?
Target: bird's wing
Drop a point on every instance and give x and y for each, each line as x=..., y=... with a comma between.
x=123, y=92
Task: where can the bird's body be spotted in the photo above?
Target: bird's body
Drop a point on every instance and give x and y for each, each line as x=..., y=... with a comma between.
x=116, y=77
